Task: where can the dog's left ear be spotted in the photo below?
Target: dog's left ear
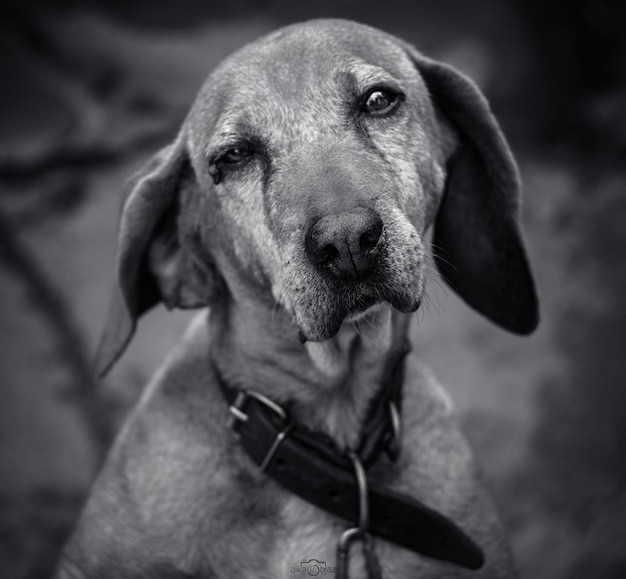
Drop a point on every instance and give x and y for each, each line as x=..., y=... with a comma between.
x=153, y=262
x=477, y=242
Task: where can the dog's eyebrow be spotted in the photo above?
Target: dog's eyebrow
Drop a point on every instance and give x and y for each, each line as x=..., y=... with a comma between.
x=362, y=76
x=232, y=134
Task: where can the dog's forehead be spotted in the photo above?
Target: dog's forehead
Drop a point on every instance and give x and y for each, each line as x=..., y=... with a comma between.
x=313, y=50
x=299, y=71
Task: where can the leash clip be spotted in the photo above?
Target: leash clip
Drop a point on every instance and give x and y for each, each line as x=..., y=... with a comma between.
x=350, y=536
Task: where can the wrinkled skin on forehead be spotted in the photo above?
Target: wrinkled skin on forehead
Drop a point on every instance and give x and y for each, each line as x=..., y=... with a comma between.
x=316, y=154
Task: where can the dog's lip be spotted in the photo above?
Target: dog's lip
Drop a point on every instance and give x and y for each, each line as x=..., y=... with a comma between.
x=333, y=325
x=359, y=315
x=352, y=302
x=354, y=317
x=375, y=308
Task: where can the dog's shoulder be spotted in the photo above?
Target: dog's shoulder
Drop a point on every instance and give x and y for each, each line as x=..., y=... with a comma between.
x=438, y=465
x=180, y=406
x=164, y=470
x=436, y=453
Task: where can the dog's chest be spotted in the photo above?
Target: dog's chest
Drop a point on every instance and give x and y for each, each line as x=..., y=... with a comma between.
x=304, y=540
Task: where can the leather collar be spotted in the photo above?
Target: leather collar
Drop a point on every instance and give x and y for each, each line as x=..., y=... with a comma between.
x=312, y=466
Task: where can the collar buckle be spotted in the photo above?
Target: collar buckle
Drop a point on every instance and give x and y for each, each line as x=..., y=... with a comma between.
x=237, y=416
x=236, y=409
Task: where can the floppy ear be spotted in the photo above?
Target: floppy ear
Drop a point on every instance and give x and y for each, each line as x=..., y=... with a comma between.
x=154, y=262
x=477, y=242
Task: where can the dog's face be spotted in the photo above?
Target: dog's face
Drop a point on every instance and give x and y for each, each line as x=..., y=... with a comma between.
x=323, y=161
x=307, y=172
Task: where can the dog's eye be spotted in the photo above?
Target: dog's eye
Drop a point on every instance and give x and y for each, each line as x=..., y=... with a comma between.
x=235, y=156
x=228, y=161
x=380, y=102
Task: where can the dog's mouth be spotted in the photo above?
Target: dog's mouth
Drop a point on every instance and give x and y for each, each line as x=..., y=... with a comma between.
x=334, y=308
x=365, y=314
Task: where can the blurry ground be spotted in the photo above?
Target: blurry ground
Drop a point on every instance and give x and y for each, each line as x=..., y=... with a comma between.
x=89, y=91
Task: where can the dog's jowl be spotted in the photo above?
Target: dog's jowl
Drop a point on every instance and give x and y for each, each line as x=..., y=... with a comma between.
x=292, y=431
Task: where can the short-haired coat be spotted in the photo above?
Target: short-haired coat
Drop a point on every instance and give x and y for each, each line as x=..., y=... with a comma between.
x=294, y=204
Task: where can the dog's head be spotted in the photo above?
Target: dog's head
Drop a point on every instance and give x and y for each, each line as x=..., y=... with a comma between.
x=306, y=175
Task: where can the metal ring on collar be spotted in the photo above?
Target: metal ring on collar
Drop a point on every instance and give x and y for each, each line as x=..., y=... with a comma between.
x=361, y=479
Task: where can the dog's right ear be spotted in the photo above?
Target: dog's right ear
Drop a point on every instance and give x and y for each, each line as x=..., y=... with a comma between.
x=153, y=262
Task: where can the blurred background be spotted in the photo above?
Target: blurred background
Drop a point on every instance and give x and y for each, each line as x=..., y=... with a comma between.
x=88, y=90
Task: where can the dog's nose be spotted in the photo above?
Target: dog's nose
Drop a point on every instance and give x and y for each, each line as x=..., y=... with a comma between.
x=344, y=244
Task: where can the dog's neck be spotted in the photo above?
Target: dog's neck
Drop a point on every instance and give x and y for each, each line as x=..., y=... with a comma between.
x=327, y=385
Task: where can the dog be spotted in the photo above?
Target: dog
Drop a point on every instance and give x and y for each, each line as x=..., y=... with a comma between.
x=290, y=432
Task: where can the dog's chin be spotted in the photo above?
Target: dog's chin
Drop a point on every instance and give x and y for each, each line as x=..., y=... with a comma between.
x=368, y=313
x=366, y=308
